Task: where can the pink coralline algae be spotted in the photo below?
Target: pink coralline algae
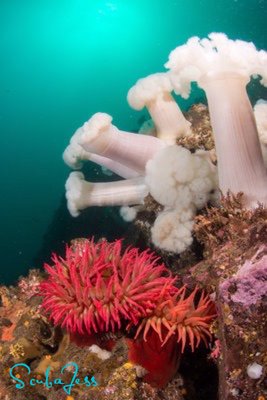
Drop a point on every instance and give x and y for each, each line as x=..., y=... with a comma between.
x=216, y=351
x=249, y=285
x=30, y=286
x=98, y=287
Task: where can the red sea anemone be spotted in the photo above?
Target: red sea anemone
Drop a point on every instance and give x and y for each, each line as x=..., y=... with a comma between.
x=178, y=316
x=162, y=336
x=97, y=286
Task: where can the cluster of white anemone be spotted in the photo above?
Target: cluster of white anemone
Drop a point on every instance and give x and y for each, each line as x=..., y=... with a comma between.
x=179, y=180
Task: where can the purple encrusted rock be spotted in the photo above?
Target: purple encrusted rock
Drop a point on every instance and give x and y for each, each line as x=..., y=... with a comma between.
x=249, y=284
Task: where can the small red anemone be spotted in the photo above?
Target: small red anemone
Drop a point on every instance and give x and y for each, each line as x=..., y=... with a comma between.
x=162, y=336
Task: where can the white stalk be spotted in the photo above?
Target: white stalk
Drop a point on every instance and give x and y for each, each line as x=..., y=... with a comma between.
x=240, y=162
x=168, y=118
x=81, y=194
x=114, y=166
x=74, y=156
x=132, y=150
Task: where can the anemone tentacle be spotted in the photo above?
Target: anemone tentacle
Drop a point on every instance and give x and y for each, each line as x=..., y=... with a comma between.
x=97, y=287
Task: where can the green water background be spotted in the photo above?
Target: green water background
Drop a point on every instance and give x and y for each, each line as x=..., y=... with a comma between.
x=60, y=62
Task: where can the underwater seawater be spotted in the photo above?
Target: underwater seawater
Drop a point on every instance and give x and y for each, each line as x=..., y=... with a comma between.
x=61, y=62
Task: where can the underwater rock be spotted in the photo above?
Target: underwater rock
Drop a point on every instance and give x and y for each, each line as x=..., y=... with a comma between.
x=235, y=268
x=242, y=304
x=201, y=136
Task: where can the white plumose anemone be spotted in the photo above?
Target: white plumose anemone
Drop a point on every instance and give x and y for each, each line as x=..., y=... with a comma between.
x=223, y=67
x=154, y=93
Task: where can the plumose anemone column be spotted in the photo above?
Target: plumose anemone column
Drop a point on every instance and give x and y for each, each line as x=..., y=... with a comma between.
x=74, y=156
x=154, y=92
x=82, y=194
x=260, y=112
x=134, y=151
x=240, y=162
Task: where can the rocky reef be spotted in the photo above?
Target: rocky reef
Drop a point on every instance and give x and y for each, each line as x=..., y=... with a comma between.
x=235, y=268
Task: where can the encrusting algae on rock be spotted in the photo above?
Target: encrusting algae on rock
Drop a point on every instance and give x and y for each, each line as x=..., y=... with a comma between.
x=235, y=267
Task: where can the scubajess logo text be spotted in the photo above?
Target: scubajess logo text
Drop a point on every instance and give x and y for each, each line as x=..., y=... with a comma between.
x=71, y=367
